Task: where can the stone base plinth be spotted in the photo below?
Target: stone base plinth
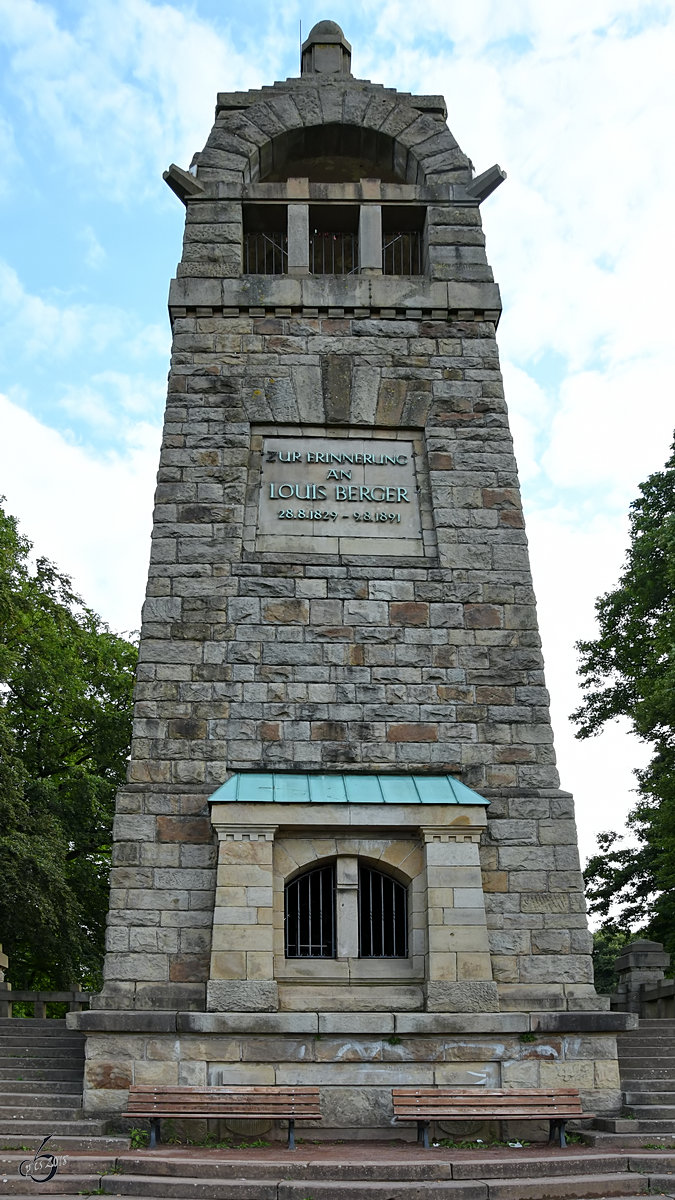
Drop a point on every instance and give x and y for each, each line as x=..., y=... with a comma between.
x=355, y=1058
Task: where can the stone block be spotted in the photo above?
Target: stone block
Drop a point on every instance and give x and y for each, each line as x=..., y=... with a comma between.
x=108, y=1076
x=468, y=1074
x=579, y=1074
x=248, y=1022
x=557, y=968
x=583, y=1022
x=447, y=1023
x=163, y=1073
x=104, y=1100
x=462, y=997
x=241, y=996
x=356, y=1024
x=474, y=965
x=137, y=966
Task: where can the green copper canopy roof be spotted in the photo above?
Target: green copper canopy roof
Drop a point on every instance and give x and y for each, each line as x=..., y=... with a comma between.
x=273, y=787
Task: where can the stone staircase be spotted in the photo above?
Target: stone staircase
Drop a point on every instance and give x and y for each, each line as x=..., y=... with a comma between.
x=41, y=1073
x=357, y=1172
x=41, y=1069
x=647, y=1066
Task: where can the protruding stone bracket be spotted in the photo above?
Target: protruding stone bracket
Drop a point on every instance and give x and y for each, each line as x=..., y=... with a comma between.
x=485, y=184
x=185, y=185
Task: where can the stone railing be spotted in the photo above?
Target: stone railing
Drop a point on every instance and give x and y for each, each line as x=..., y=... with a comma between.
x=75, y=999
x=643, y=988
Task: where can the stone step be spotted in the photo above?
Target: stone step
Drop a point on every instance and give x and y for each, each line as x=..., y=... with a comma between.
x=646, y=1125
x=653, y=1112
x=574, y=1187
x=33, y=1128
x=421, y=1167
x=61, y=1143
x=296, y=1194
x=578, y=1187
x=641, y=1072
x=620, y=1162
x=21, y=1073
x=652, y=1060
x=12, y=1102
x=61, y=1185
x=605, y=1140
x=34, y=1087
x=646, y=1037
x=636, y=1125
x=637, y=1098
x=54, y=1062
x=74, y=1164
x=40, y=1112
x=29, y=1023
x=299, y=1189
x=41, y=1039
x=76, y=1173
x=418, y=1167
x=40, y=1052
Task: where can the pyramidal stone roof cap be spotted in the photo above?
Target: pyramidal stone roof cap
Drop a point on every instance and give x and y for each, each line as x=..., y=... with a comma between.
x=275, y=787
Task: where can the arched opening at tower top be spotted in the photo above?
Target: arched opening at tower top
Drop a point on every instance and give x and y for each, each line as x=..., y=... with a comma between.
x=333, y=153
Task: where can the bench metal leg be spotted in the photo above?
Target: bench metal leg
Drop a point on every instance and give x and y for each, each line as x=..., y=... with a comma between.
x=291, y=1134
x=154, y=1132
x=423, y=1133
x=557, y=1129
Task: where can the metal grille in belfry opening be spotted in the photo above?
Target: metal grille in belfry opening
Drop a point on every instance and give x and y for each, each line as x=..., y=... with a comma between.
x=265, y=253
x=333, y=253
x=309, y=914
x=383, y=916
x=402, y=253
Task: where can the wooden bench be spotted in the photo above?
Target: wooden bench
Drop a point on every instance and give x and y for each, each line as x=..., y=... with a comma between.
x=425, y=1104
x=229, y=1102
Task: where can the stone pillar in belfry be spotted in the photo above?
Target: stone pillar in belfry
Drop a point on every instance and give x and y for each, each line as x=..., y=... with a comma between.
x=342, y=855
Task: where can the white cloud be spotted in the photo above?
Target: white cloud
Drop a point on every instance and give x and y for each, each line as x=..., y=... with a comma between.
x=91, y=514
x=33, y=327
x=94, y=253
x=128, y=88
x=577, y=557
x=613, y=429
x=529, y=415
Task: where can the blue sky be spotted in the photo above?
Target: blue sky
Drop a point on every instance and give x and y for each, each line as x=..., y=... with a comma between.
x=576, y=101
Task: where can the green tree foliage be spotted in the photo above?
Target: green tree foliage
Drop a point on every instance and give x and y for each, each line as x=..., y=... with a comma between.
x=65, y=726
x=608, y=943
x=629, y=671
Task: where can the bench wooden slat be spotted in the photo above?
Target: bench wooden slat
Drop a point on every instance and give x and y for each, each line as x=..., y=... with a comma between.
x=424, y=1104
x=236, y=1101
x=509, y=1093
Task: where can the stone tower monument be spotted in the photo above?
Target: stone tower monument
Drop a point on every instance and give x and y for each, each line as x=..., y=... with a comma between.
x=342, y=856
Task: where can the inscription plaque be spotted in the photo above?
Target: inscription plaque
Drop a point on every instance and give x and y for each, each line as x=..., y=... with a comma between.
x=358, y=492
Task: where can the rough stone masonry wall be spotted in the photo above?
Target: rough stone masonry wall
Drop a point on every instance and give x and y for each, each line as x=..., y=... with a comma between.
x=430, y=665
